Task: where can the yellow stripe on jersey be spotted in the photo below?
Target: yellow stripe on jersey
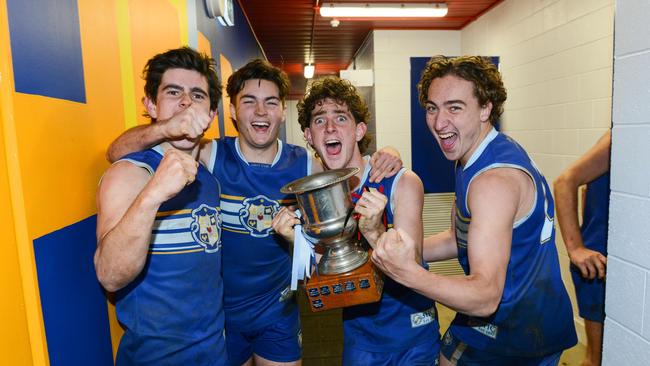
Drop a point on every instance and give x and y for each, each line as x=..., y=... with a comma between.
x=461, y=217
x=178, y=252
x=241, y=198
x=173, y=212
x=229, y=197
x=235, y=231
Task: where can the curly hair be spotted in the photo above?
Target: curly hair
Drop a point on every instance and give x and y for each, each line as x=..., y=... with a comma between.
x=181, y=58
x=488, y=86
x=341, y=91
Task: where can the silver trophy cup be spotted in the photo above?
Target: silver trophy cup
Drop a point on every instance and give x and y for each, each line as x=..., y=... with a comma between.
x=326, y=206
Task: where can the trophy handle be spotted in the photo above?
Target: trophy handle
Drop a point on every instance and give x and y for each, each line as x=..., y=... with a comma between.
x=345, y=223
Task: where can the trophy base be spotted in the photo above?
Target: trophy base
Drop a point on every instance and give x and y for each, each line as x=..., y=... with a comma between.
x=360, y=286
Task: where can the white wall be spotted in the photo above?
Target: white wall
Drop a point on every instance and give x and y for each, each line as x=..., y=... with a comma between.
x=392, y=103
x=556, y=61
x=627, y=326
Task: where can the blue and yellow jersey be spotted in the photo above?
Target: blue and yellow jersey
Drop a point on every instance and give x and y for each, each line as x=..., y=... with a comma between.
x=534, y=317
x=402, y=318
x=173, y=311
x=256, y=261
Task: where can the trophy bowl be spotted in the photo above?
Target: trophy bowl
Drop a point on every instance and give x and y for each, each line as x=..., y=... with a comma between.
x=326, y=207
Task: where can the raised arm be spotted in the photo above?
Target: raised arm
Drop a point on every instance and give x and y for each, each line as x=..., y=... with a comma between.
x=189, y=123
x=588, y=167
x=127, y=201
x=495, y=198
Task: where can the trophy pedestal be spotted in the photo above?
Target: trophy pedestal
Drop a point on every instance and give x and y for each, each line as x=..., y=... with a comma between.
x=360, y=286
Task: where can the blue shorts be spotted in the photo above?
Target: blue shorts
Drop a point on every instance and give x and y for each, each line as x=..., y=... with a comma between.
x=590, y=295
x=424, y=354
x=279, y=342
x=461, y=354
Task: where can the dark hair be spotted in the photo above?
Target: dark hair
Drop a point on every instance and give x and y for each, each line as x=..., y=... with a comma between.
x=181, y=58
x=343, y=92
x=488, y=86
x=257, y=69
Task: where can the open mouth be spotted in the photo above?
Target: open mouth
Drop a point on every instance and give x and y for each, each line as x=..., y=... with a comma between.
x=447, y=140
x=333, y=146
x=261, y=126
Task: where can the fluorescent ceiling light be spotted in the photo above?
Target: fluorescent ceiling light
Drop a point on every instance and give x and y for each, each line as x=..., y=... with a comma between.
x=382, y=10
x=309, y=71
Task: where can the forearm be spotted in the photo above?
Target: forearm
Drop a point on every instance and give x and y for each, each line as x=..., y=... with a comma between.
x=135, y=139
x=371, y=236
x=471, y=295
x=122, y=251
x=566, y=198
x=440, y=247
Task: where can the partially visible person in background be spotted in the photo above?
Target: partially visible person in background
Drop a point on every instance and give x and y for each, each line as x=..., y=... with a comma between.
x=586, y=244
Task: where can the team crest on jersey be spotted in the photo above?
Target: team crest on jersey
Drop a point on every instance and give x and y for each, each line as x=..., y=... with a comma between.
x=257, y=214
x=206, y=227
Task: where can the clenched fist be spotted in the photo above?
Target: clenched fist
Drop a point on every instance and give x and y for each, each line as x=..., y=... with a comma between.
x=190, y=123
x=176, y=170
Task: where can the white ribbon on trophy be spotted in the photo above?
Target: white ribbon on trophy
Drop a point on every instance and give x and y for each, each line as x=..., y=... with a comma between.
x=303, y=253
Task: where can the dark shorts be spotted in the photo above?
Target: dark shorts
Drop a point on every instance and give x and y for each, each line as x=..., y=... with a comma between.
x=279, y=342
x=461, y=354
x=590, y=295
x=424, y=354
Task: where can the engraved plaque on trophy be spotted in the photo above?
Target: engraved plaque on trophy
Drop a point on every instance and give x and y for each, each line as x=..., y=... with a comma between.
x=344, y=276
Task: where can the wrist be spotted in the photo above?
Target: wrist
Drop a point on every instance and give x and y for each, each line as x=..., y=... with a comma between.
x=159, y=130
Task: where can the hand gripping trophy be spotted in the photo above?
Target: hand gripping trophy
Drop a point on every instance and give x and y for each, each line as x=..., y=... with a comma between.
x=344, y=275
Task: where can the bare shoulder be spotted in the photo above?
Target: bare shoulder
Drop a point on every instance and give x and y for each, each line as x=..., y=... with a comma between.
x=501, y=179
x=507, y=189
x=409, y=181
x=123, y=176
x=118, y=189
x=409, y=188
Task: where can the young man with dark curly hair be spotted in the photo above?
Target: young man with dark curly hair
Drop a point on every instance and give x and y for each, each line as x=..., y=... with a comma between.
x=402, y=328
x=513, y=308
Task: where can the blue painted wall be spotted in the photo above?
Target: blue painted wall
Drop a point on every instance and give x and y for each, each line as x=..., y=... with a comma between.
x=73, y=302
x=429, y=163
x=46, y=48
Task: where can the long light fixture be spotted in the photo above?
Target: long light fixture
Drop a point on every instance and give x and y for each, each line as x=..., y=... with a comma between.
x=309, y=71
x=382, y=10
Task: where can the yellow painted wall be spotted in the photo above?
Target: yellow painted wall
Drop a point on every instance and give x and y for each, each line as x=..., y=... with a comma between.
x=52, y=150
x=14, y=338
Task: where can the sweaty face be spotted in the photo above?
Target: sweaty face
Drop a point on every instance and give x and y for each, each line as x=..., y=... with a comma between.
x=180, y=89
x=455, y=118
x=334, y=133
x=259, y=112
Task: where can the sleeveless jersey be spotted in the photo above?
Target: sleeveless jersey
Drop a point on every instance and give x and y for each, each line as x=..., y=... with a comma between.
x=173, y=310
x=256, y=261
x=596, y=214
x=534, y=317
x=402, y=318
